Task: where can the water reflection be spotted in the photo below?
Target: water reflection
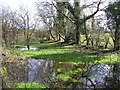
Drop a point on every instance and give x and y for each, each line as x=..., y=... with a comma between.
x=40, y=71
x=47, y=72
x=98, y=73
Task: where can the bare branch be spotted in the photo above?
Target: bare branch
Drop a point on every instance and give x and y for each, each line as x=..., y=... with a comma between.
x=86, y=6
x=90, y=16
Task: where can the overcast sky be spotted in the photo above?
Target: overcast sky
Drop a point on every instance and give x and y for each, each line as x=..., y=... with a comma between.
x=15, y=4
x=30, y=4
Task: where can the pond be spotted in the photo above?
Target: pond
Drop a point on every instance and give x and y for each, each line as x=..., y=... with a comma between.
x=62, y=74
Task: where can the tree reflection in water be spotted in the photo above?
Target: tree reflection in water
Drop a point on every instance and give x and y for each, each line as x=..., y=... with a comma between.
x=61, y=74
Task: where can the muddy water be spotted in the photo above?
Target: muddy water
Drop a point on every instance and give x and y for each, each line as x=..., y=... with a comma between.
x=49, y=72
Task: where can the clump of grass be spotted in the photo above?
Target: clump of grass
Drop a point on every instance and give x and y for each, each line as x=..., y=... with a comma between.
x=10, y=56
x=30, y=85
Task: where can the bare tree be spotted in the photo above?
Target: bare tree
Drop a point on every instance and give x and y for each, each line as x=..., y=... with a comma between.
x=46, y=13
x=5, y=25
x=28, y=24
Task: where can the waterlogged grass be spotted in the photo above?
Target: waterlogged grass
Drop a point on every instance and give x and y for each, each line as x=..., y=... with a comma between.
x=54, y=51
x=30, y=85
x=72, y=75
x=63, y=77
x=110, y=58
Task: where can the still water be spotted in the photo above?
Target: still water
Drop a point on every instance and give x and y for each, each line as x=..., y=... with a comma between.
x=31, y=48
x=63, y=74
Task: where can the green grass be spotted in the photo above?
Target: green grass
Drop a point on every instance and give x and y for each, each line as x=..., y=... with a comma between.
x=54, y=51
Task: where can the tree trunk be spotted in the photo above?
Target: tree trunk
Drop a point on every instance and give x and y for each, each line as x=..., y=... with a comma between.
x=117, y=38
x=77, y=33
x=116, y=75
x=51, y=34
x=86, y=34
x=28, y=46
x=106, y=44
x=92, y=42
x=5, y=38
